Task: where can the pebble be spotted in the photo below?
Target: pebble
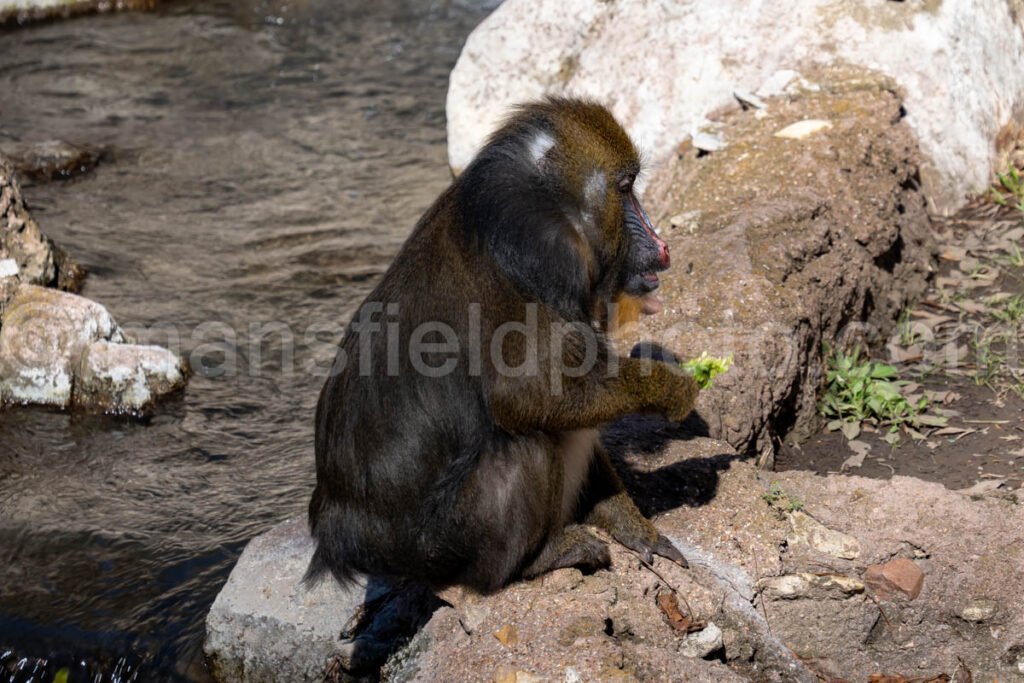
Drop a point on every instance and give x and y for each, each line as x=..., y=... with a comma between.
x=803, y=129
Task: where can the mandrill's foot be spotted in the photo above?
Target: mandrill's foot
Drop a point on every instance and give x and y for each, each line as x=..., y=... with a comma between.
x=574, y=546
x=619, y=516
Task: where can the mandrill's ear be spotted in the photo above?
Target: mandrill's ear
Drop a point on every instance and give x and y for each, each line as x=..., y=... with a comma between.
x=517, y=208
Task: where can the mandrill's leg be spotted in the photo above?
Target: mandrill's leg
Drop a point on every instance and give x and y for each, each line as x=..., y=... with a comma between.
x=614, y=511
x=573, y=546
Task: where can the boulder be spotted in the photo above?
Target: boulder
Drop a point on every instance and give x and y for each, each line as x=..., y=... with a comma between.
x=64, y=350
x=667, y=67
x=42, y=334
x=782, y=244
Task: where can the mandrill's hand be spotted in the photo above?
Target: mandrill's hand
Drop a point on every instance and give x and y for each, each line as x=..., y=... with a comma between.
x=681, y=392
x=661, y=386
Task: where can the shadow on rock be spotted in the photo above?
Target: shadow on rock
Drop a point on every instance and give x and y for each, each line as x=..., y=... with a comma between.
x=660, y=473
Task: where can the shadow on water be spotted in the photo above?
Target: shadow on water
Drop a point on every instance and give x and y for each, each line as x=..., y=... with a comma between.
x=266, y=160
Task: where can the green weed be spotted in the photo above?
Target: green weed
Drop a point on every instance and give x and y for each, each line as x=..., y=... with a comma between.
x=777, y=498
x=859, y=390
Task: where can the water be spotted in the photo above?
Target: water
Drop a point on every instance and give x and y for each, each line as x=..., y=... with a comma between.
x=266, y=160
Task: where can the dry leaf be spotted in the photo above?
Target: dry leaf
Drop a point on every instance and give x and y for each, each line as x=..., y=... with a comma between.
x=982, y=487
x=860, y=450
x=669, y=606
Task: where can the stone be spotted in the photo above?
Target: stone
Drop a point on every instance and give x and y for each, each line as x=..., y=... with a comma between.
x=42, y=334
x=803, y=129
x=507, y=635
x=24, y=11
x=702, y=643
x=9, y=268
x=125, y=378
x=63, y=350
x=507, y=675
x=956, y=61
x=899, y=578
x=8, y=281
x=810, y=532
x=21, y=239
x=708, y=142
x=265, y=625
x=809, y=586
x=979, y=610
x=52, y=160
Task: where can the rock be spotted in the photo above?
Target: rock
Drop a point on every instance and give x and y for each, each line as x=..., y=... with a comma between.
x=810, y=532
x=803, y=129
x=507, y=635
x=42, y=334
x=897, y=578
x=60, y=349
x=264, y=625
x=20, y=236
x=702, y=643
x=507, y=675
x=125, y=378
x=979, y=610
x=25, y=11
x=809, y=586
x=956, y=61
x=792, y=244
x=52, y=160
x=8, y=281
x=708, y=142
x=777, y=83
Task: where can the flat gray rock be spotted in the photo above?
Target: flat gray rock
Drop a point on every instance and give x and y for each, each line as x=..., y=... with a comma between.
x=265, y=625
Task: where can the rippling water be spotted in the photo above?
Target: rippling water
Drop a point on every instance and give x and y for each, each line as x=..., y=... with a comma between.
x=266, y=160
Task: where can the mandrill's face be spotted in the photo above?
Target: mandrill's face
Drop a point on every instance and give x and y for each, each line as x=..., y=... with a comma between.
x=551, y=197
x=646, y=253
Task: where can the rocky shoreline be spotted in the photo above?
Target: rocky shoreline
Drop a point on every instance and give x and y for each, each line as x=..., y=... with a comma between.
x=18, y=12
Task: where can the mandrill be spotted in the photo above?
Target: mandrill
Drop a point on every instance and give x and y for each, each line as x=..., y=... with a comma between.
x=456, y=437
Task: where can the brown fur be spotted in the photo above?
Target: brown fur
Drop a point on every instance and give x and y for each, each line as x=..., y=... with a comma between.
x=480, y=475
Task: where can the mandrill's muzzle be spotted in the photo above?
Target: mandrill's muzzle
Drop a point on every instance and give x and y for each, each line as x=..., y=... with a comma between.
x=648, y=256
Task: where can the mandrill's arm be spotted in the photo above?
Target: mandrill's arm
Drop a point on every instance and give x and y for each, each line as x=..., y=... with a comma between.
x=561, y=396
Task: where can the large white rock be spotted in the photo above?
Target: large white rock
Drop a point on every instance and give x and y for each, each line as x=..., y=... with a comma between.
x=63, y=350
x=42, y=334
x=662, y=67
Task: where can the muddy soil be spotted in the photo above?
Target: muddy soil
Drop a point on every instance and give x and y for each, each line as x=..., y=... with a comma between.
x=960, y=345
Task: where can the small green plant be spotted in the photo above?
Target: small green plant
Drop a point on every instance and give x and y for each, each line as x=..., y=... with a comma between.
x=1010, y=310
x=907, y=334
x=862, y=390
x=705, y=368
x=1016, y=257
x=1010, y=189
x=781, y=501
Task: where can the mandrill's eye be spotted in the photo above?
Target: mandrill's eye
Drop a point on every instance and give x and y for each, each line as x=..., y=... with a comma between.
x=626, y=183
